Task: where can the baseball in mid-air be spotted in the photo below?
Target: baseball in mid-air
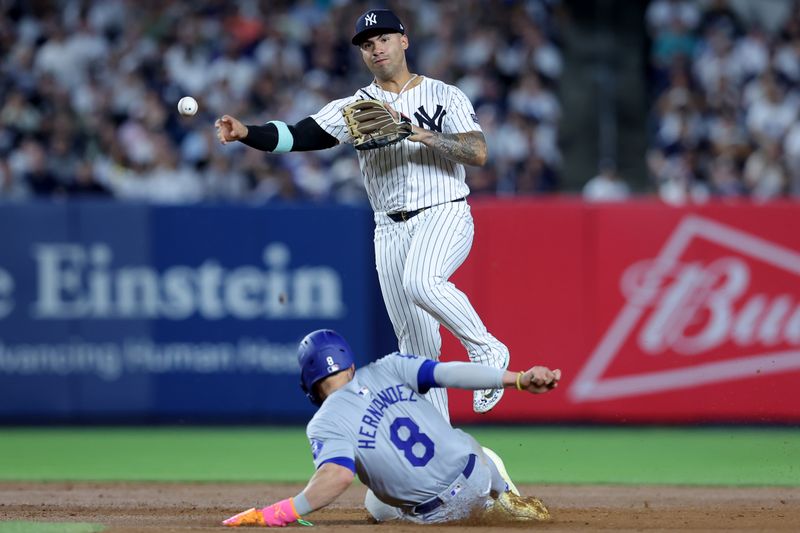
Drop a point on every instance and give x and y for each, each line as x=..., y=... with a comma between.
x=187, y=106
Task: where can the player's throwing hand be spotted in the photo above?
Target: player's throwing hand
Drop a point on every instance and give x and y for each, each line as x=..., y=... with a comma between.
x=230, y=129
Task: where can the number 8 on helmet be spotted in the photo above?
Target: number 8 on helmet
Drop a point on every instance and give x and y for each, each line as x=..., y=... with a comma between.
x=322, y=353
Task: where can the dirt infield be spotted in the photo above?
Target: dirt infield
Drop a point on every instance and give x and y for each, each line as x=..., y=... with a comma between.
x=183, y=507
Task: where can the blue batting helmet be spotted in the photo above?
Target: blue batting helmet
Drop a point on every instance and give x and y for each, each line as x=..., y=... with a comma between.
x=322, y=353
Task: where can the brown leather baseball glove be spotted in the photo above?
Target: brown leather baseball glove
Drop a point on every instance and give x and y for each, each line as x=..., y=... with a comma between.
x=373, y=126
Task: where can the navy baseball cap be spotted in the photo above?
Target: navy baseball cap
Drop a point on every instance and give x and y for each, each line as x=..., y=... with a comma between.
x=376, y=22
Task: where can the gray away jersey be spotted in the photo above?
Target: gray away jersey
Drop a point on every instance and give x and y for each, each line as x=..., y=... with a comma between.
x=397, y=442
x=409, y=175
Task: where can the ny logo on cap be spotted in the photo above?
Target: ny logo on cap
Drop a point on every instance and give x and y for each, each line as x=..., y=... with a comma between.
x=371, y=19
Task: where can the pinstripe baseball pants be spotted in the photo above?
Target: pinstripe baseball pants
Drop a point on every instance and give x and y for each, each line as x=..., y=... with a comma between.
x=414, y=260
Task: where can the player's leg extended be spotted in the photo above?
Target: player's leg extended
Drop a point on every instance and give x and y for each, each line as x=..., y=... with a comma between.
x=382, y=512
x=442, y=241
x=417, y=331
x=508, y=503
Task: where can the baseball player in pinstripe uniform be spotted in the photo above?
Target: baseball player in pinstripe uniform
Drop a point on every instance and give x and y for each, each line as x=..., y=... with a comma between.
x=417, y=189
x=371, y=424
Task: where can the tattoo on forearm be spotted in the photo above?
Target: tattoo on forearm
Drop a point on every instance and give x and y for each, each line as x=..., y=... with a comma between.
x=465, y=148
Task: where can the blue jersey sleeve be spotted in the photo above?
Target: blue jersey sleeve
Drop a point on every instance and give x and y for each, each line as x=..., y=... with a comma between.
x=425, y=380
x=413, y=370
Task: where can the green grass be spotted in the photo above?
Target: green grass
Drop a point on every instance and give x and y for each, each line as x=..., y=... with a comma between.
x=711, y=456
x=155, y=454
x=49, y=527
x=696, y=456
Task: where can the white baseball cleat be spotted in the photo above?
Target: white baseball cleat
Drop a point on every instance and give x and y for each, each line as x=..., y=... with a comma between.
x=484, y=400
x=501, y=468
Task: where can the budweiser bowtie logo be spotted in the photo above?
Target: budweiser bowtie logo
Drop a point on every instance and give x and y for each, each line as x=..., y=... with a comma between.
x=716, y=304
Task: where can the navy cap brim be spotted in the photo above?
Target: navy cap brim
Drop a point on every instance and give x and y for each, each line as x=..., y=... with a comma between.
x=372, y=32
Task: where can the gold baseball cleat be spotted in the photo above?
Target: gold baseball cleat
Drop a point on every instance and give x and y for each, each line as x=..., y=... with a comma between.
x=522, y=508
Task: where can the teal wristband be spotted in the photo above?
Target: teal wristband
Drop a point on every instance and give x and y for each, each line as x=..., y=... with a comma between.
x=285, y=138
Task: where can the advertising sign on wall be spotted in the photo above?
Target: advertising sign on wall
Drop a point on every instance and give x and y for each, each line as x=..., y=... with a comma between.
x=120, y=311
x=655, y=314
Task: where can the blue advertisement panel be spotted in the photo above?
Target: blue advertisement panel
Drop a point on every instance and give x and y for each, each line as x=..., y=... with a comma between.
x=115, y=312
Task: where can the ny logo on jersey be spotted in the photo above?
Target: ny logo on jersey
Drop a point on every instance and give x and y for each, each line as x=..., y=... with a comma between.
x=433, y=123
x=371, y=19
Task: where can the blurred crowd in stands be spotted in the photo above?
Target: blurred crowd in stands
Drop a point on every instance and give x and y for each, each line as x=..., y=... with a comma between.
x=88, y=93
x=725, y=80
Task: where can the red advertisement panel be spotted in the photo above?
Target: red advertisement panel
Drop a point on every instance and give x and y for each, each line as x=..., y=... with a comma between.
x=653, y=313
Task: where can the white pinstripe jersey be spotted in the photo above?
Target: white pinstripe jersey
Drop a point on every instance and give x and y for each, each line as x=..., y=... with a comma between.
x=409, y=175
